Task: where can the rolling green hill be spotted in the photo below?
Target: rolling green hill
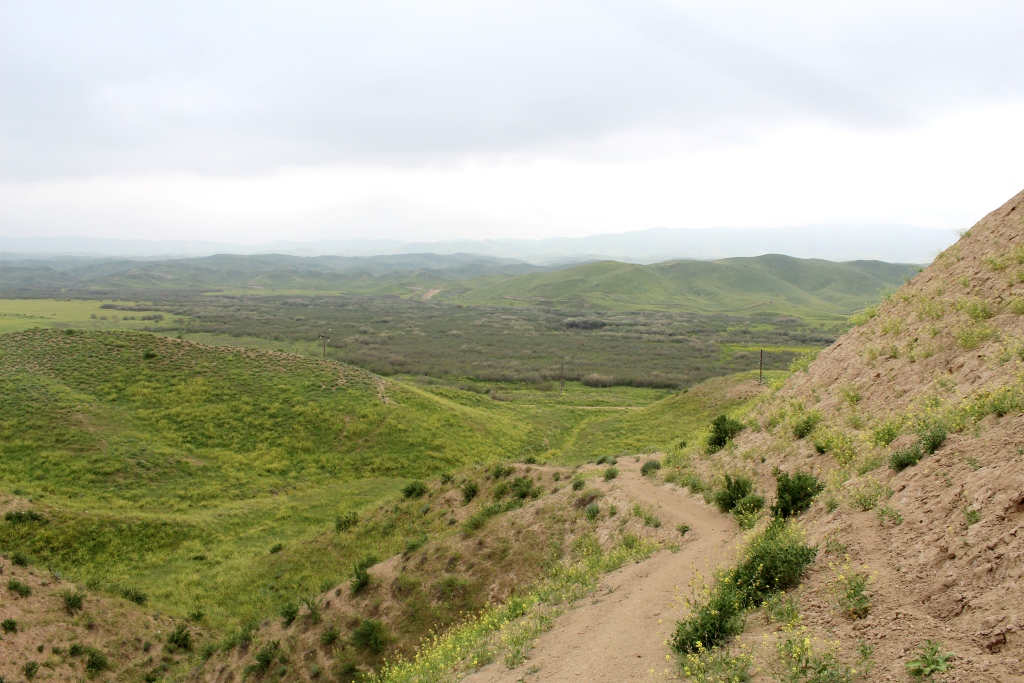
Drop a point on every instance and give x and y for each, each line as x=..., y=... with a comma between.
x=171, y=468
x=772, y=283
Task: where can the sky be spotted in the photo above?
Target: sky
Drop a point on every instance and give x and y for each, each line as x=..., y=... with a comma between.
x=259, y=120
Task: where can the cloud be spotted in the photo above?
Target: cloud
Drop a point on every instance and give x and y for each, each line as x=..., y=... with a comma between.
x=232, y=87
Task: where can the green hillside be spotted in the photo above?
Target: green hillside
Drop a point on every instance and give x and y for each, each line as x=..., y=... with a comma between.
x=149, y=452
x=771, y=283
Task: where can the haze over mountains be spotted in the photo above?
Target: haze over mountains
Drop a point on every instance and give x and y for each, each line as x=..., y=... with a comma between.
x=892, y=243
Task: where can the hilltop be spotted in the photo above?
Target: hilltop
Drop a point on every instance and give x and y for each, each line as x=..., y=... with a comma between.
x=770, y=283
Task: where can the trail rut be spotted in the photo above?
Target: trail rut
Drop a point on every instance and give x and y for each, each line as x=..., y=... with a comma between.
x=620, y=632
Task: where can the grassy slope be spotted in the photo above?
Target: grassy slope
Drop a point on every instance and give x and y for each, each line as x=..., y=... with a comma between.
x=148, y=463
x=791, y=285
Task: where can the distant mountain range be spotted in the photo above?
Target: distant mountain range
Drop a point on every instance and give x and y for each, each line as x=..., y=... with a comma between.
x=771, y=283
x=892, y=243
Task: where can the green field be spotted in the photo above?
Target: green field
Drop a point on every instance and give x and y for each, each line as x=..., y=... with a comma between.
x=147, y=452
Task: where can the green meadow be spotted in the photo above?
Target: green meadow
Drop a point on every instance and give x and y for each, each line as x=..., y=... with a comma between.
x=209, y=478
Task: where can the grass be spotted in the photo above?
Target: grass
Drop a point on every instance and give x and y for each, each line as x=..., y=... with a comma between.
x=930, y=660
x=139, y=465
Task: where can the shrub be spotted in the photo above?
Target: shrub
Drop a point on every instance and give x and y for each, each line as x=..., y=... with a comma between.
x=329, y=637
x=134, y=595
x=578, y=483
x=371, y=635
x=774, y=561
x=523, y=488
x=73, y=600
x=30, y=669
x=592, y=511
x=470, y=489
x=596, y=380
x=18, y=587
x=803, y=426
x=850, y=590
x=749, y=504
x=23, y=516
x=414, y=489
x=312, y=610
x=905, y=457
x=501, y=471
x=932, y=437
x=611, y=473
x=733, y=490
x=588, y=497
x=718, y=665
x=179, y=639
x=9, y=626
x=289, y=613
x=276, y=548
x=723, y=429
x=76, y=650
x=95, y=662
x=360, y=575
x=692, y=482
x=264, y=657
x=19, y=559
x=866, y=496
x=885, y=433
x=930, y=661
x=346, y=521
x=794, y=493
x=650, y=467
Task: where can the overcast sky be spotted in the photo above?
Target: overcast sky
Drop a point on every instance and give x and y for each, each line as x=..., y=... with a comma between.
x=257, y=120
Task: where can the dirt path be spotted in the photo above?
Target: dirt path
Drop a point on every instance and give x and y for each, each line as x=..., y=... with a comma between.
x=431, y=292
x=620, y=633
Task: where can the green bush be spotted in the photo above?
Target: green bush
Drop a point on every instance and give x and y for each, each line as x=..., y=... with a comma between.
x=611, y=473
x=95, y=662
x=932, y=437
x=346, y=521
x=650, y=467
x=592, y=511
x=23, y=516
x=360, y=575
x=9, y=626
x=414, y=489
x=180, y=638
x=523, y=488
x=794, y=493
x=733, y=490
x=73, y=600
x=806, y=424
x=329, y=637
x=19, y=559
x=30, y=669
x=371, y=635
x=749, y=504
x=276, y=548
x=501, y=471
x=723, y=429
x=76, y=650
x=774, y=561
x=134, y=595
x=905, y=457
x=289, y=613
x=578, y=483
x=18, y=587
x=470, y=489
x=264, y=657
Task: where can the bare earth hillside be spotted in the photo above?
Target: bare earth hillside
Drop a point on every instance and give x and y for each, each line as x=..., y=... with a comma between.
x=933, y=375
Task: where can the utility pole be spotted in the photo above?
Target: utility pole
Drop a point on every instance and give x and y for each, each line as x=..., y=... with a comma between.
x=324, y=337
x=760, y=368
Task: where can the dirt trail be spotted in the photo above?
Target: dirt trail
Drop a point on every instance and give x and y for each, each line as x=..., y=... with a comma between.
x=619, y=633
